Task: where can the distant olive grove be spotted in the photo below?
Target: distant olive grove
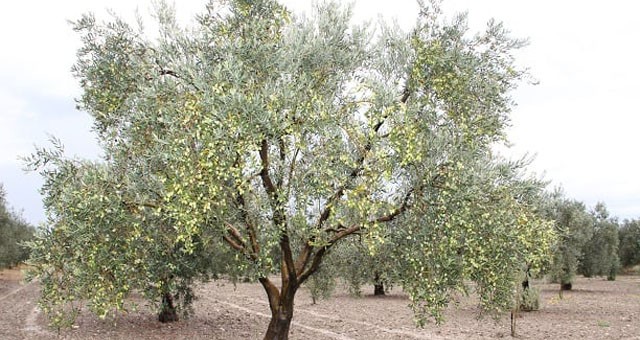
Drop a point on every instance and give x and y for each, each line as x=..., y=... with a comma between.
x=14, y=230
x=629, y=247
x=590, y=242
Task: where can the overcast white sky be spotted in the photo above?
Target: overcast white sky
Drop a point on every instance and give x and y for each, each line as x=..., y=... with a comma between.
x=580, y=121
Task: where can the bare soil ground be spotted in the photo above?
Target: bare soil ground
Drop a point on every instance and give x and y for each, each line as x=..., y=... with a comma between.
x=595, y=309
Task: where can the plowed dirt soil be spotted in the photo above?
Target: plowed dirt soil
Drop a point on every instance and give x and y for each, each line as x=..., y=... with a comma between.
x=594, y=309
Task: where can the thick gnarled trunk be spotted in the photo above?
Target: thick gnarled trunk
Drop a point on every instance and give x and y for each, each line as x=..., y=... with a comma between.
x=279, y=324
x=281, y=305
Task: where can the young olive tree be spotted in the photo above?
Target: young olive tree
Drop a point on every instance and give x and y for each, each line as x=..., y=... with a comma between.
x=278, y=138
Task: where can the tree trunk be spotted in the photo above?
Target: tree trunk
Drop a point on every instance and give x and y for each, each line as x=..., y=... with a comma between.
x=521, y=304
x=378, y=286
x=612, y=274
x=281, y=305
x=378, y=289
x=168, y=312
x=525, y=283
x=279, y=324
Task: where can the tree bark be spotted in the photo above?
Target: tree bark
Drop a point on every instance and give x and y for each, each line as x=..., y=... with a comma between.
x=279, y=324
x=281, y=304
x=168, y=312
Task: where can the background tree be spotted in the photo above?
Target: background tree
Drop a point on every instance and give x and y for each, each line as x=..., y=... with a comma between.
x=358, y=262
x=15, y=231
x=321, y=284
x=629, y=250
x=574, y=227
x=600, y=253
x=278, y=138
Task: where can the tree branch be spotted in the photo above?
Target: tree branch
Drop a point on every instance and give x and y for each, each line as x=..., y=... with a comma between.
x=235, y=233
x=267, y=183
x=326, y=213
x=282, y=150
x=342, y=232
x=165, y=72
x=169, y=73
x=402, y=208
x=251, y=229
x=233, y=243
x=304, y=256
x=288, y=270
x=239, y=245
x=272, y=293
x=292, y=168
x=319, y=255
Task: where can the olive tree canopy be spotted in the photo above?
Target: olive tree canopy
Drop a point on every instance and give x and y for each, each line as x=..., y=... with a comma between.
x=271, y=138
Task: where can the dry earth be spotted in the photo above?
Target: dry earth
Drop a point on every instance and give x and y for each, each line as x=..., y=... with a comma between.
x=595, y=309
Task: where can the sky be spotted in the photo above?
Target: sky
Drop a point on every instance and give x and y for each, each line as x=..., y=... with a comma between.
x=579, y=121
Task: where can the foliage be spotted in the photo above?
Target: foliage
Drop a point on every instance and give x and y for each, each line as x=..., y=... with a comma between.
x=358, y=262
x=106, y=239
x=487, y=235
x=574, y=227
x=601, y=251
x=276, y=138
x=629, y=249
x=530, y=299
x=321, y=284
x=14, y=230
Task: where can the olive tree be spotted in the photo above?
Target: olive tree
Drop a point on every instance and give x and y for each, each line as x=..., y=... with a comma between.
x=358, y=262
x=15, y=231
x=574, y=227
x=629, y=250
x=601, y=251
x=277, y=138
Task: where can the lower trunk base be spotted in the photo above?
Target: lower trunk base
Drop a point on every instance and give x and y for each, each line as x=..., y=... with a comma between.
x=378, y=289
x=566, y=286
x=168, y=312
x=278, y=328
